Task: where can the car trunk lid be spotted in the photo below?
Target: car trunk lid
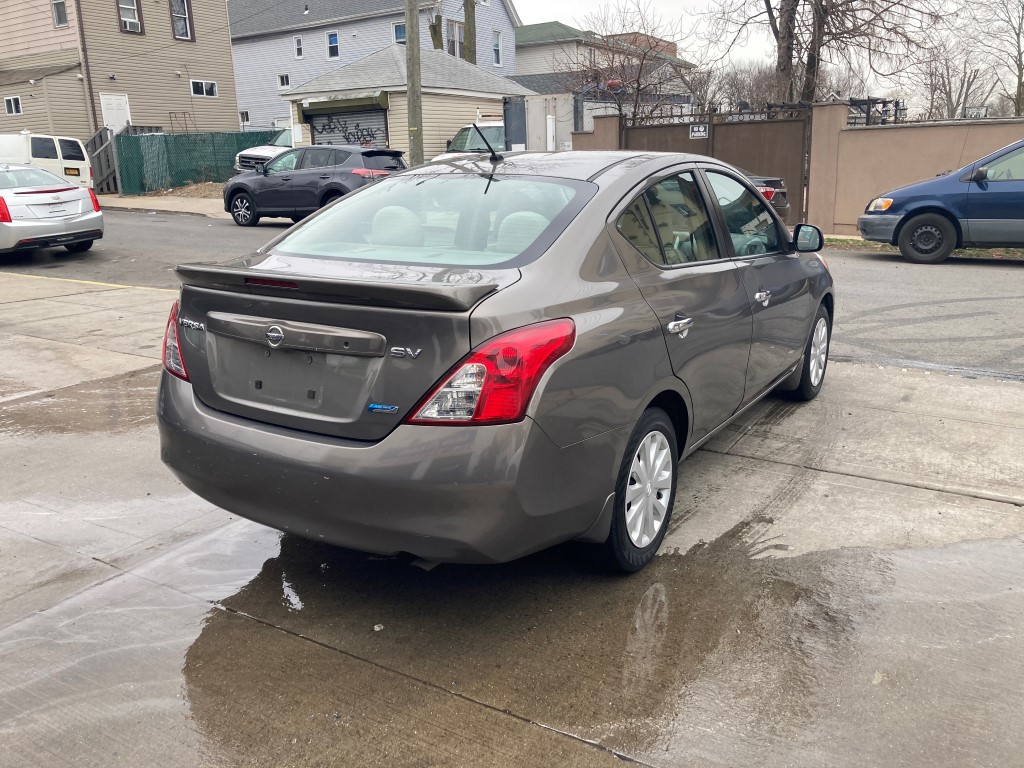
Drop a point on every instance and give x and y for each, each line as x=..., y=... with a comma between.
x=45, y=203
x=346, y=353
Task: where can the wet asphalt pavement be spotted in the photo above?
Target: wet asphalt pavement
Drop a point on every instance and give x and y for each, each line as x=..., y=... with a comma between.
x=843, y=582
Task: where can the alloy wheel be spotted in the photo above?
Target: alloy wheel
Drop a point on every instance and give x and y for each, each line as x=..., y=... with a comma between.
x=819, y=351
x=241, y=210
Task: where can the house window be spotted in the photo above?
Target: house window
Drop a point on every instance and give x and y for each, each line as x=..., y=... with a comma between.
x=204, y=88
x=332, y=45
x=130, y=15
x=298, y=47
x=496, y=47
x=284, y=81
x=60, y=13
x=398, y=32
x=243, y=117
x=181, y=20
x=456, y=38
x=12, y=105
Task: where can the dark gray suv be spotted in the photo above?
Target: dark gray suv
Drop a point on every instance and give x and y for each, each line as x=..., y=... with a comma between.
x=477, y=359
x=296, y=183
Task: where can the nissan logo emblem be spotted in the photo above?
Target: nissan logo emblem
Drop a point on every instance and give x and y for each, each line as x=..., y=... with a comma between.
x=275, y=336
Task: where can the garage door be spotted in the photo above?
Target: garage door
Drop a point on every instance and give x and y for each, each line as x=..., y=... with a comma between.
x=351, y=128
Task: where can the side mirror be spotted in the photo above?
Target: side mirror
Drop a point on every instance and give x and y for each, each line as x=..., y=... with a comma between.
x=261, y=169
x=979, y=174
x=808, y=238
x=449, y=144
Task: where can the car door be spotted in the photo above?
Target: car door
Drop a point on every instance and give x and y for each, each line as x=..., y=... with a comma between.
x=669, y=246
x=776, y=279
x=313, y=174
x=273, y=192
x=995, y=205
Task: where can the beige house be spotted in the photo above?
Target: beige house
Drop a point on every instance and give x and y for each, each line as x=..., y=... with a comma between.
x=366, y=102
x=70, y=67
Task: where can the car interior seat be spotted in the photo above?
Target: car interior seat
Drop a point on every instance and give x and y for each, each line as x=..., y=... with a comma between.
x=519, y=230
x=395, y=225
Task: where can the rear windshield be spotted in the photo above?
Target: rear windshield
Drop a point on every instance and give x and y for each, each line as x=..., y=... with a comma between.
x=444, y=220
x=468, y=140
x=384, y=162
x=29, y=177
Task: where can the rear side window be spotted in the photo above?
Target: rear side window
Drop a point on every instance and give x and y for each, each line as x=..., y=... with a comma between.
x=749, y=223
x=383, y=162
x=316, y=158
x=444, y=220
x=71, y=150
x=29, y=177
x=44, y=148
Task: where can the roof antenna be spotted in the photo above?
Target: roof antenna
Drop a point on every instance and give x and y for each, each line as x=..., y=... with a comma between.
x=495, y=157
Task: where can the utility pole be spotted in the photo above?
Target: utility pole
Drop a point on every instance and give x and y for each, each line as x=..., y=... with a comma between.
x=469, y=38
x=414, y=88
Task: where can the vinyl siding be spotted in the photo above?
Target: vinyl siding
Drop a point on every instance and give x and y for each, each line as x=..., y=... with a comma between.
x=442, y=116
x=56, y=105
x=145, y=65
x=27, y=28
x=542, y=59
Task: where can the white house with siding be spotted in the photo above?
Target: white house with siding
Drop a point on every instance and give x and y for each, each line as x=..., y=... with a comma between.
x=280, y=47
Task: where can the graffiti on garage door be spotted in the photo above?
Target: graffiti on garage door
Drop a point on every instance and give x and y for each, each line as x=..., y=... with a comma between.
x=365, y=128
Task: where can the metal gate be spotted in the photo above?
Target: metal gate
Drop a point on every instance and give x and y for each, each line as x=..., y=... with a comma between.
x=771, y=143
x=369, y=128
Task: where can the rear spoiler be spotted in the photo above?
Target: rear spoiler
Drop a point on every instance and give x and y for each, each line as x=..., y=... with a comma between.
x=450, y=297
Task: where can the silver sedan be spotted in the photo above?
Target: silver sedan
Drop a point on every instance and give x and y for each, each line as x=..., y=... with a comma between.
x=41, y=210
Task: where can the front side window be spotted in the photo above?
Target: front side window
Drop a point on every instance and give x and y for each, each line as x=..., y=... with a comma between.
x=1009, y=167
x=60, y=13
x=298, y=47
x=456, y=38
x=333, y=50
x=285, y=162
x=283, y=81
x=12, y=105
x=44, y=148
x=181, y=19
x=749, y=223
x=456, y=220
x=204, y=88
x=130, y=15
x=496, y=48
x=71, y=150
x=316, y=158
x=398, y=30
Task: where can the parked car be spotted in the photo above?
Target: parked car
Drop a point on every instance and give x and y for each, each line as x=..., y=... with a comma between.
x=296, y=183
x=248, y=159
x=471, y=362
x=978, y=206
x=467, y=140
x=773, y=188
x=62, y=156
x=41, y=210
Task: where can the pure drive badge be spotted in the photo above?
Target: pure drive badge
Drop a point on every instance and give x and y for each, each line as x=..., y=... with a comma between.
x=382, y=408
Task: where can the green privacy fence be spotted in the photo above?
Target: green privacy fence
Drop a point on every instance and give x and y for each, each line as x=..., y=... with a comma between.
x=156, y=161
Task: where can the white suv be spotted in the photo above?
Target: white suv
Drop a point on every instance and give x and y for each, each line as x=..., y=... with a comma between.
x=248, y=159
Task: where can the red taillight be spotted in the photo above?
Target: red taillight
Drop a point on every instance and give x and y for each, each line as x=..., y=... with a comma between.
x=5, y=213
x=95, y=201
x=172, y=348
x=768, y=192
x=368, y=173
x=494, y=384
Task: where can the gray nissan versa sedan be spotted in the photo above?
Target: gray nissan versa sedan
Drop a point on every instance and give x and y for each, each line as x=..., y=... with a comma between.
x=473, y=360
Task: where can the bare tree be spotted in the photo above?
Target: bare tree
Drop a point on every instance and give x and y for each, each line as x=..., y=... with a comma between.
x=1003, y=22
x=750, y=85
x=950, y=80
x=809, y=33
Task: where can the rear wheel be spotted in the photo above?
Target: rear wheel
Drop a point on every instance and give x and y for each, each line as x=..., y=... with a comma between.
x=645, y=491
x=815, y=358
x=79, y=247
x=243, y=210
x=329, y=198
x=927, y=239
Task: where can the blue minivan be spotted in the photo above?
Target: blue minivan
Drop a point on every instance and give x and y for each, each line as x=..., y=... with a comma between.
x=979, y=206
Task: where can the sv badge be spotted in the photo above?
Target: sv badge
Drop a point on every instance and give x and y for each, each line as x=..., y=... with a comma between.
x=405, y=352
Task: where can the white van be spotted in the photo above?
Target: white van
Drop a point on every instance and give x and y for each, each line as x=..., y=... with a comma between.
x=60, y=155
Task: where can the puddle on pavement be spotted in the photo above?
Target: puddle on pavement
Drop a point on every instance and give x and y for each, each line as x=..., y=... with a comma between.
x=114, y=405
x=720, y=655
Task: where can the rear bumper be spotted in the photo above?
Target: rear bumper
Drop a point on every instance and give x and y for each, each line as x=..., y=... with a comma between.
x=878, y=227
x=454, y=494
x=21, y=235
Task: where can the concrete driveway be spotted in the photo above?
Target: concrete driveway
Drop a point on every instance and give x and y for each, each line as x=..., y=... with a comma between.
x=843, y=584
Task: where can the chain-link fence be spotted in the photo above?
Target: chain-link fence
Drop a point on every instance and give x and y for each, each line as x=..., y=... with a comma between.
x=165, y=160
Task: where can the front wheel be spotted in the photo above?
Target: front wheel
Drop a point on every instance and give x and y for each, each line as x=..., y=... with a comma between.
x=243, y=210
x=815, y=358
x=79, y=247
x=645, y=491
x=927, y=239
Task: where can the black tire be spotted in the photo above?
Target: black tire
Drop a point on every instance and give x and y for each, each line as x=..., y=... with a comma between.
x=80, y=247
x=927, y=239
x=329, y=198
x=243, y=210
x=297, y=219
x=808, y=389
x=622, y=552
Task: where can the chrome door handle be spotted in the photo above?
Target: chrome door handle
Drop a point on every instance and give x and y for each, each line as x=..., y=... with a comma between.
x=680, y=325
x=763, y=297
x=324, y=176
